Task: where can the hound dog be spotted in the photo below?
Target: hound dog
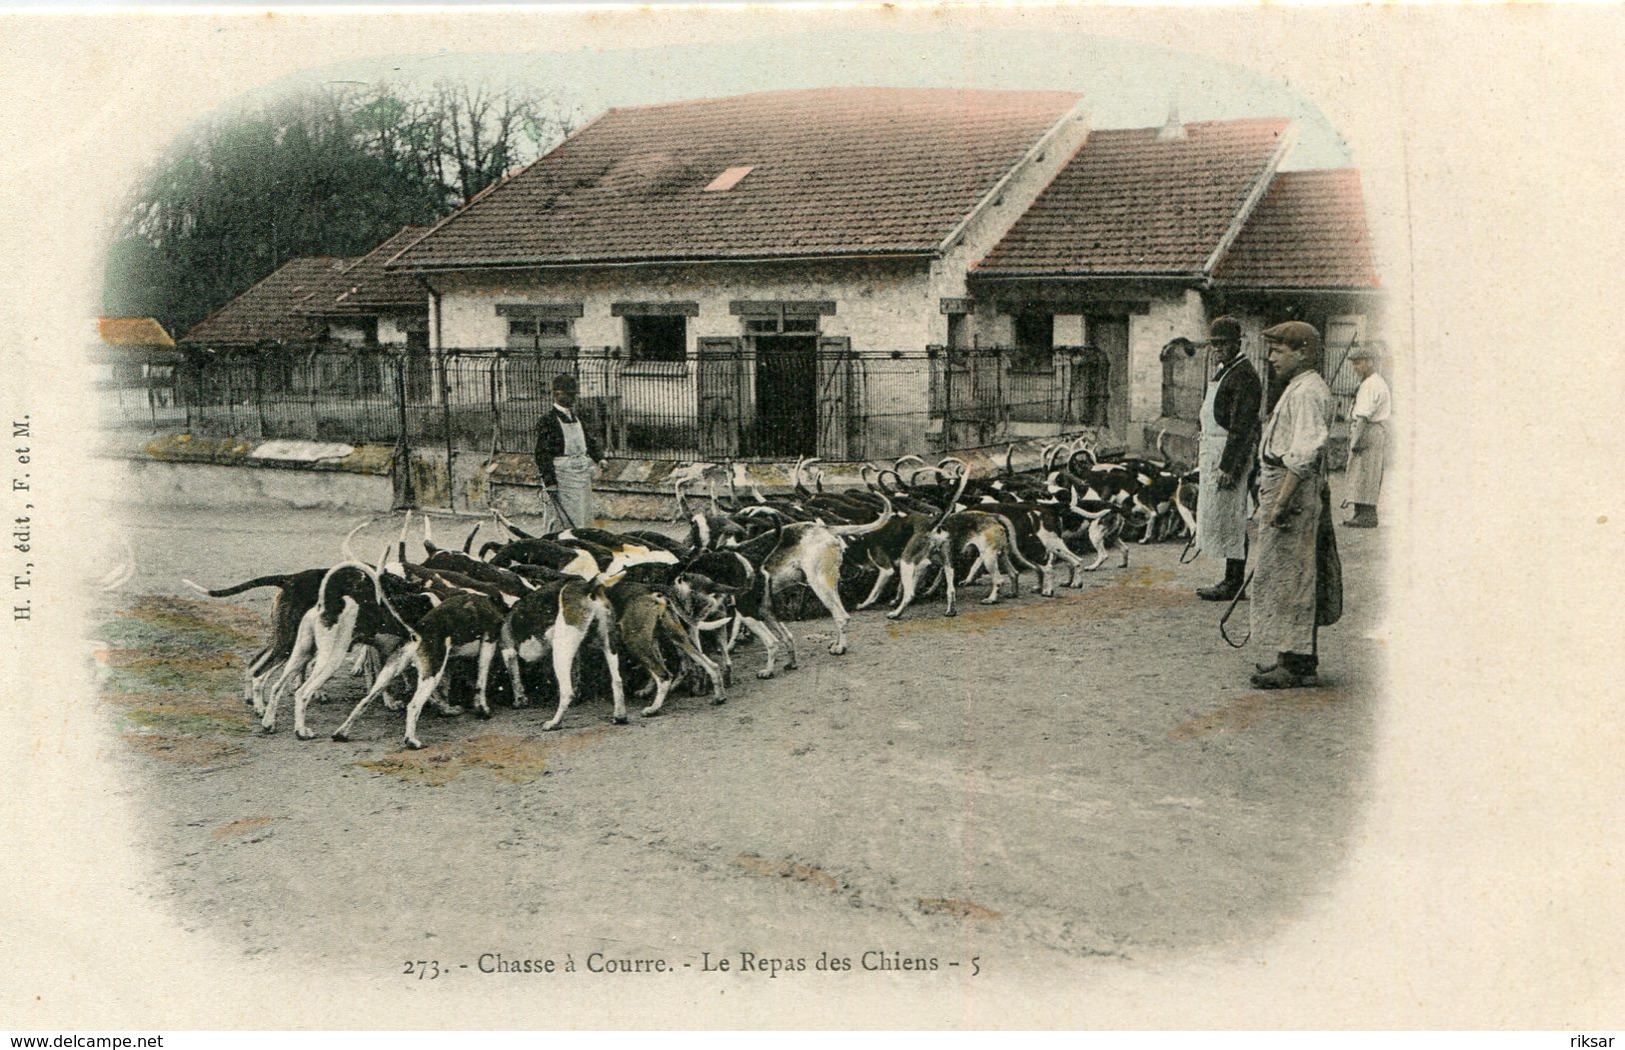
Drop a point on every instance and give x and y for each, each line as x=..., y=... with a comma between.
x=645, y=619
x=556, y=619
x=751, y=592
x=296, y=593
x=353, y=609
x=1102, y=522
x=989, y=538
x=463, y=625
x=809, y=552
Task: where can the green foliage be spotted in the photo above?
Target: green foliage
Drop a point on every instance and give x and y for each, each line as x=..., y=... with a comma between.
x=330, y=172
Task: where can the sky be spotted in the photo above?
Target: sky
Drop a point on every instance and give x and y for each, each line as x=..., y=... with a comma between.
x=1126, y=83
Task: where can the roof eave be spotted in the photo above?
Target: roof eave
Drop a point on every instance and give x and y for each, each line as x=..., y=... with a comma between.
x=1243, y=285
x=1193, y=278
x=672, y=260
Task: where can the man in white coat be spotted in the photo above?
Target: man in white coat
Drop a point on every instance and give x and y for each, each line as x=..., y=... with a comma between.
x=1368, y=439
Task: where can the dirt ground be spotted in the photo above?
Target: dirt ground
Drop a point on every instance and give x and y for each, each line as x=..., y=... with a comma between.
x=1027, y=784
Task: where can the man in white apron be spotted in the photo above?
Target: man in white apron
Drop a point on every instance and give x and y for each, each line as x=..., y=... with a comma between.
x=1229, y=432
x=1291, y=476
x=1368, y=439
x=567, y=456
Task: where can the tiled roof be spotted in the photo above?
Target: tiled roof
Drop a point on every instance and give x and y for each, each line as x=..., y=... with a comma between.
x=1309, y=231
x=833, y=171
x=366, y=287
x=1130, y=203
x=134, y=331
x=267, y=311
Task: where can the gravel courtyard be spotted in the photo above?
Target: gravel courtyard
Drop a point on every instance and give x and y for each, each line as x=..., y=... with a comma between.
x=1025, y=785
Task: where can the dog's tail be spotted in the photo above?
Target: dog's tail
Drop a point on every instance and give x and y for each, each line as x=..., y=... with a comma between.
x=849, y=531
x=511, y=527
x=897, y=464
x=682, y=500
x=278, y=581
x=1016, y=556
x=948, y=507
x=379, y=592
x=799, y=486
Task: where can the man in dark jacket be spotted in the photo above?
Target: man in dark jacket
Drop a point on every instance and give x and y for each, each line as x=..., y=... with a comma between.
x=567, y=456
x=1229, y=434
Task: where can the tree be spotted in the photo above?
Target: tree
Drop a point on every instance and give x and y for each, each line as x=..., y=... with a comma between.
x=330, y=172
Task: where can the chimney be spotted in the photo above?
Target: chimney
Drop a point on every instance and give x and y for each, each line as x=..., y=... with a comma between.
x=1172, y=129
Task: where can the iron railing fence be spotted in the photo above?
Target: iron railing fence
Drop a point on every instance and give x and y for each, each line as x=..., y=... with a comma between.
x=726, y=401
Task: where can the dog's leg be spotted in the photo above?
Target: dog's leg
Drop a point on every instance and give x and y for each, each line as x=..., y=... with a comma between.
x=604, y=616
x=786, y=639
x=1058, y=549
x=645, y=649
x=822, y=579
x=566, y=638
x=697, y=655
x=886, y=573
x=724, y=658
x=488, y=650
x=988, y=558
x=441, y=698
x=262, y=680
x=510, y=660
x=426, y=688
x=332, y=647
x=769, y=640
x=304, y=649
x=392, y=667
x=251, y=676
x=1008, y=565
x=908, y=577
x=1101, y=542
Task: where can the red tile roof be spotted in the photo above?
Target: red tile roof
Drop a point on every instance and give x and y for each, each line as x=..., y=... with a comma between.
x=134, y=331
x=1309, y=231
x=366, y=287
x=1132, y=204
x=834, y=171
x=267, y=311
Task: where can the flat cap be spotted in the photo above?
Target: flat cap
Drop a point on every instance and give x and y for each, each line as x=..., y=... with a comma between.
x=1362, y=352
x=1224, y=330
x=1296, y=334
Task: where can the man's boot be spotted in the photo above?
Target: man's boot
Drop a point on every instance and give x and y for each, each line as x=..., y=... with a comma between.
x=1291, y=671
x=1235, y=574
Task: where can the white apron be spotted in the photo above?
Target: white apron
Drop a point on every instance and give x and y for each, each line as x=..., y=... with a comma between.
x=1221, y=514
x=574, y=470
x=1364, y=478
x=1283, y=589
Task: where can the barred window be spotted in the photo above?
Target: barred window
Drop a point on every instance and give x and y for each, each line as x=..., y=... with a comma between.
x=534, y=333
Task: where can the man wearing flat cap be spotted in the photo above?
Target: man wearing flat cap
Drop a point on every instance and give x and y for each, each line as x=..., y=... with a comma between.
x=1368, y=439
x=567, y=455
x=1290, y=506
x=1229, y=431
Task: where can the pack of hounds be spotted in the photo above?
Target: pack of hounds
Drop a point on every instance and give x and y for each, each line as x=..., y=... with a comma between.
x=644, y=603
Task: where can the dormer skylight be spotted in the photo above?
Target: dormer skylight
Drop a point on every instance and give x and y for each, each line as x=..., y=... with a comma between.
x=729, y=179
